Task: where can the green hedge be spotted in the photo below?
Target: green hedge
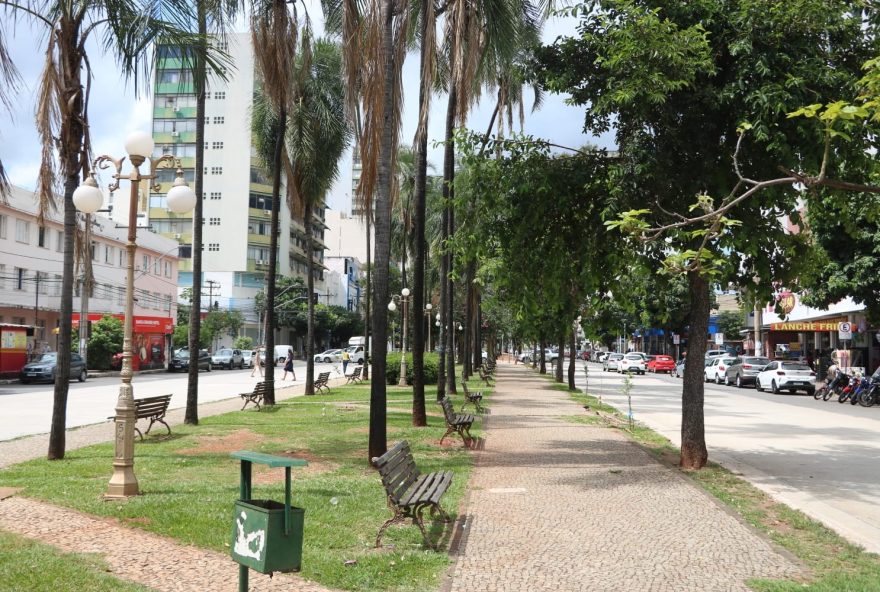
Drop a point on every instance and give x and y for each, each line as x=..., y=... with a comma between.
x=392, y=368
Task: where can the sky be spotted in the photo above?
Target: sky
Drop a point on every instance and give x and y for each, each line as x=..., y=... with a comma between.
x=117, y=108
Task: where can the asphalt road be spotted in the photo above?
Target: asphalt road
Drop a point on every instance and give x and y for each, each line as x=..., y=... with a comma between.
x=820, y=457
x=26, y=409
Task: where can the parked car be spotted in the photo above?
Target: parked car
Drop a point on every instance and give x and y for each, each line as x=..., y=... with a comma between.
x=228, y=358
x=661, y=363
x=247, y=358
x=331, y=355
x=180, y=360
x=600, y=356
x=44, y=368
x=611, y=362
x=714, y=353
x=782, y=375
x=525, y=357
x=632, y=362
x=678, y=372
x=716, y=369
x=744, y=369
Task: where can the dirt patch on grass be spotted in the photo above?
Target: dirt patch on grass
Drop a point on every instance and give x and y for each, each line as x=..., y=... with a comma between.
x=237, y=440
x=317, y=465
x=141, y=520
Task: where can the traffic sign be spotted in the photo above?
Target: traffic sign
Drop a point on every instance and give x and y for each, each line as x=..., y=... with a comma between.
x=844, y=331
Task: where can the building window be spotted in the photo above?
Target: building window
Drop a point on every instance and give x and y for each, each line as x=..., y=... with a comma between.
x=59, y=241
x=108, y=254
x=216, y=170
x=156, y=266
x=19, y=279
x=58, y=280
x=214, y=221
x=120, y=295
x=94, y=250
x=168, y=269
x=206, y=145
x=121, y=257
x=2, y=276
x=216, y=195
x=220, y=95
x=42, y=279
x=217, y=145
x=213, y=247
x=219, y=120
x=22, y=231
x=41, y=237
x=146, y=264
x=2, y=226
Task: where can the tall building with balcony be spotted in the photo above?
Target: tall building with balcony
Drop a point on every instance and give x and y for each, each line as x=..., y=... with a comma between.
x=237, y=191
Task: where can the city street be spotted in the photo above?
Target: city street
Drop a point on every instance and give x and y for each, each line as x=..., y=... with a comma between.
x=820, y=457
x=26, y=409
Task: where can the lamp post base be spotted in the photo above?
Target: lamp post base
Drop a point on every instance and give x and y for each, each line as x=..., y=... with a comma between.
x=123, y=483
x=402, y=380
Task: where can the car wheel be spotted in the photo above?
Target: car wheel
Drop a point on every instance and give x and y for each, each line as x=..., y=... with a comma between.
x=25, y=381
x=717, y=378
x=739, y=381
x=726, y=380
x=758, y=385
x=327, y=360
x=773, y=388
x=83, y=375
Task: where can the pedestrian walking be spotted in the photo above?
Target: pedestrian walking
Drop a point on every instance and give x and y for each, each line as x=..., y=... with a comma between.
x=258, y=364
x=346, y=357
x=288, y=366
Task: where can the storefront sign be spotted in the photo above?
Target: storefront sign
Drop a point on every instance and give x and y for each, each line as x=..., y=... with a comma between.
x=787, y=302
x=142, y=324
x=844, y=331
x=823, y=325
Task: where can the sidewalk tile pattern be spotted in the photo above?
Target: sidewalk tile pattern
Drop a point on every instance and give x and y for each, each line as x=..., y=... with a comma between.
x=559, y=506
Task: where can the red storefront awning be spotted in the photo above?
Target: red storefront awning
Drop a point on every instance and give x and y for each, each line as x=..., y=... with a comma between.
x=142, y=324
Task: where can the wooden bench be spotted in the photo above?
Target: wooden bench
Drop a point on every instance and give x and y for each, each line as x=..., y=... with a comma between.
x=321, y=382
x=152, y=408
x=409, y=491
x=255, y=397
x=355, y=376
x=456, y=422
x=484, y=375
x=475, y=399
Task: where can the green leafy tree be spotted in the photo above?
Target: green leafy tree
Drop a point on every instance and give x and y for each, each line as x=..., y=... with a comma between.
x=675, y=81
x=730, y=322
x=243, y=342
x=105, y=341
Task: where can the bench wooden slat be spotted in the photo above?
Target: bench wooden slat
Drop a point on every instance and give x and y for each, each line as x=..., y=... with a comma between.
x=459, y=423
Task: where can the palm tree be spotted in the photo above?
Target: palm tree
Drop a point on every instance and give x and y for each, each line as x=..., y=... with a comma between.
x=317, y=135
x=274, y=35
x=9, y=82
x=62, y=115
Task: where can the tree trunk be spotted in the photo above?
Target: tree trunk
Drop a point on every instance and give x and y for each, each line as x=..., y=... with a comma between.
x=191, y=416
x=269, y=378
x=73, y=160
x=468, y=324
x=543, y=354
x=693, y=435
x=378, y=444
x=448, y=197
x=368, y=327
x=419, y=413
x=572, y=344
x=444, y=296
x=477, y=330
x=560, y=358
x=310, y=283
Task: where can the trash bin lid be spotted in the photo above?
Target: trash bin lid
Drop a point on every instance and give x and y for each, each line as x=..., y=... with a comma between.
x=269, y=459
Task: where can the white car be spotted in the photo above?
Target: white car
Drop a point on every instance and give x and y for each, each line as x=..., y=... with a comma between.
x=331, y=355
x=632, y=362
x=610, y=362
x=716, y=368
x=783, y=375
x=714, y=353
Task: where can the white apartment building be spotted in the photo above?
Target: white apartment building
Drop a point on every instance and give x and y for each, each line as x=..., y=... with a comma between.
x=237, y=192
x=31, y=264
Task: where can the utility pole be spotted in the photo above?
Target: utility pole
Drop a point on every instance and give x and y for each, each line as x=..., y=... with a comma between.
x=36, y=306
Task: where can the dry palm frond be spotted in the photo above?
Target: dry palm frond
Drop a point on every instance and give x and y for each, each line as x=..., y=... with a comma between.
x=274, y=36
x=49, y=100
x=429, y=63
x=9, y=83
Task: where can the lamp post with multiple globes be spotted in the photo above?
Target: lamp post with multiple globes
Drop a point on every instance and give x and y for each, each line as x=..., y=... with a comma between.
x=404, y=301
x=88, y=199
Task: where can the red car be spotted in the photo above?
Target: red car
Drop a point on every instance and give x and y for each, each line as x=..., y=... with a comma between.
x=661, y=364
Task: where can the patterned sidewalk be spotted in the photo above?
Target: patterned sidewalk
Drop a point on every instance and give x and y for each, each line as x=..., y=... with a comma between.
x=559, y=506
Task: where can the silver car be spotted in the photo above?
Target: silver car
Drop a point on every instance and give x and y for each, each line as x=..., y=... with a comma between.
x=331, y=355
x=228, y=358
x=611, y=362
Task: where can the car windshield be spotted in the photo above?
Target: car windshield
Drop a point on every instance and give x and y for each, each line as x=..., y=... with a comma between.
x=633, y=357
x=183, y=353
x=224, y=352
x=615, y=357
x=663, y=359
x=795, y=366
x=756, y=361
x=47, y=358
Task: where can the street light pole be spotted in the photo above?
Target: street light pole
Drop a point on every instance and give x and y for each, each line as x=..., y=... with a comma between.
x=404, y=301
x=88, y=199
x=428, y=314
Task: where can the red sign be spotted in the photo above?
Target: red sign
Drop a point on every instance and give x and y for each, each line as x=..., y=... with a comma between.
x=141, y=324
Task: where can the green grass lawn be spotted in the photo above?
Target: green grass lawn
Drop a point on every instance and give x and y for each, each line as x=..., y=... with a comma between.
x=835, y=564
x=189, y=483
x=31, y=566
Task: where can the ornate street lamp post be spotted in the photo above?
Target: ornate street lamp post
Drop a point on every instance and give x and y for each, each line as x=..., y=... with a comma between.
x=88, y=199
x=428, y=308
x=404, y=301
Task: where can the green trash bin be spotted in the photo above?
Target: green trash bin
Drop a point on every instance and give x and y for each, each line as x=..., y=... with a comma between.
x=267, y=535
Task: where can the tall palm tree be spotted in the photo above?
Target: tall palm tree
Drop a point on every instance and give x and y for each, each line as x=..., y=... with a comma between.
x=274, y=36
x=317, y=135
x=127, y=30
x=9, y=83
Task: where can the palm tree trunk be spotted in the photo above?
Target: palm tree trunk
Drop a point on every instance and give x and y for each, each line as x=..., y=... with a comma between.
x=468, y=312
x=378, y=444
x=693, y=433
x=368, y=302
x=72, y=158
x=444, y=320
x=571, y=364
x=448, y=196
x=560, y=358
x=269, y=378
x=195, y=317
x=310, y=282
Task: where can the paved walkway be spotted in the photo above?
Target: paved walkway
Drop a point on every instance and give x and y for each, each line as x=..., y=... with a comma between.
x=555, y=505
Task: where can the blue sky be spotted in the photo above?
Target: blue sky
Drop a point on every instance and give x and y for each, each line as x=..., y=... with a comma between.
x=116, y=109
